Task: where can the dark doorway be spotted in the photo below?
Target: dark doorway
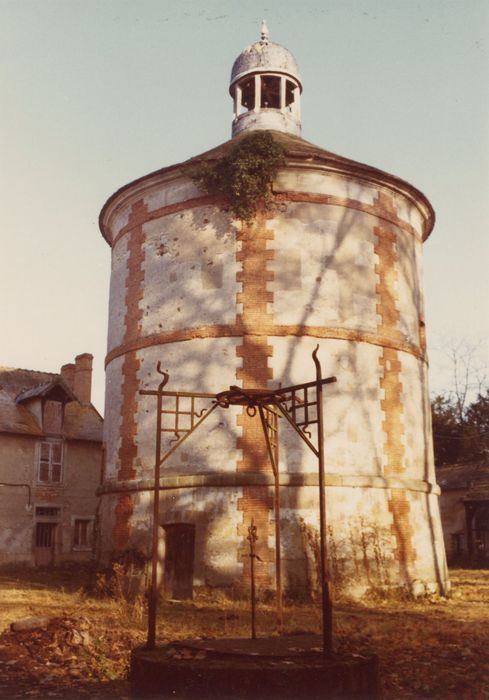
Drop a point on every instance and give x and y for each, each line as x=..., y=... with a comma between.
x=179, y=560
x=477, y=515
x=44, y=546
x=481, y=534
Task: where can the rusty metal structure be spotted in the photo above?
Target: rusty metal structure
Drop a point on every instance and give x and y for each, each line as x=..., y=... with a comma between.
x=252, y=538
x=181, y=412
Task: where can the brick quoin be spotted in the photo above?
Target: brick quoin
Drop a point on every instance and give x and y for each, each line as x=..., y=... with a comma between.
x=130, y=368
x=122, y=530
x=256, y=502
x=402, y=530
x=390, y=383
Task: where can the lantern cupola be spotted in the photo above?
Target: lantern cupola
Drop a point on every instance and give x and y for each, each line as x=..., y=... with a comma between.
x=266, y=86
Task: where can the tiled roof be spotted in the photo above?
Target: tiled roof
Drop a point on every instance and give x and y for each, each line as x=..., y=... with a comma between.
x=471, y=476
x=17, y=386
x=15, y=418
x=14, y=381
x=56, y=389
x=82, y=422
x=296, y=148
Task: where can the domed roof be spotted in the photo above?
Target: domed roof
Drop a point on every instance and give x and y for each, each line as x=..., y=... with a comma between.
x=265, y=56
x=297, y=151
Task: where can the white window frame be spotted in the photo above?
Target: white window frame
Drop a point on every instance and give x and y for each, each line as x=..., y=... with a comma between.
x=50, y=445
x=89, y=519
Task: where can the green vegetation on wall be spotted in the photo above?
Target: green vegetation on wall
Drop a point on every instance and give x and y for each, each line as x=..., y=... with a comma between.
x=244, y=175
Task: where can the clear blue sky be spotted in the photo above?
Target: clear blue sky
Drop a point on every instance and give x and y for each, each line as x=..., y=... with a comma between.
x=98, y=92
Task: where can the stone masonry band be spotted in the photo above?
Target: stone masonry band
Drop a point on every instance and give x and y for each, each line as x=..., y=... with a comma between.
x=386, y=214
x=271, y=331
x=233, y=480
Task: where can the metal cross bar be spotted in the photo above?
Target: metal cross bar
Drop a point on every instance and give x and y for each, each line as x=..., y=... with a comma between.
x=180, y=431
x=237, y=396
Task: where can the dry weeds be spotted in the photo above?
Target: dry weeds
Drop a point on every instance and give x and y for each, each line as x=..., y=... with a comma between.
x=430, y=648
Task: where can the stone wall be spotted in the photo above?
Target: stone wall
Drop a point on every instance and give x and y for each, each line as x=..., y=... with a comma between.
x=74, y=496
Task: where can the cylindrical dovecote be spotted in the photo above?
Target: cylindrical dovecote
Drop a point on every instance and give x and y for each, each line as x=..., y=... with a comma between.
x=336, y=260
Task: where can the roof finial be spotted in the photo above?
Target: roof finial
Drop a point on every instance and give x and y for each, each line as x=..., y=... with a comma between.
x=265, y=36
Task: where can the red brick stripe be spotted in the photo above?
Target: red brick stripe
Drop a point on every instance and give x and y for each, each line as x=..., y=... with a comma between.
x=378, y=209
x=256, y=502
x=238, y=330
x=130, y=367
x=390, y=383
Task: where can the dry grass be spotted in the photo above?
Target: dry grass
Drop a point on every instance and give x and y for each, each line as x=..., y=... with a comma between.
x=433, y=648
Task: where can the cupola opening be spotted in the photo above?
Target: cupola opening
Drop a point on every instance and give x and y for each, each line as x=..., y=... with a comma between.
x=270, y=92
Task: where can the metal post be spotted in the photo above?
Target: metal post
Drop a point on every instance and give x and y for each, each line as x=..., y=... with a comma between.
x=153, y=592
x=273, y=455
x=469, y=519
x=326, y=598
x=252, y=539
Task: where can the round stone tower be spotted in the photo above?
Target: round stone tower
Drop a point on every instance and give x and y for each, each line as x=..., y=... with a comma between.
x=335, y=260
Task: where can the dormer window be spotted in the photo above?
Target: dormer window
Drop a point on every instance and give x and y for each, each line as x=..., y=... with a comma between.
x=50, y=467
x=53, y=417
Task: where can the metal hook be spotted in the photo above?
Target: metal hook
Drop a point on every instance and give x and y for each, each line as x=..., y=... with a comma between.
x=316, y=361
x=175, y=439
x=165, y=374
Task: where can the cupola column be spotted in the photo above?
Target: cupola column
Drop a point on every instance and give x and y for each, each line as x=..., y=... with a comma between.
x=282, y=93
x=257, y=93
x=296, y=104
x=237, y=101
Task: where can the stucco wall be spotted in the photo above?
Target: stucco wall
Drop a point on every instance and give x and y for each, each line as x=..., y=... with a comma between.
x=16, y=466
x=74, y=496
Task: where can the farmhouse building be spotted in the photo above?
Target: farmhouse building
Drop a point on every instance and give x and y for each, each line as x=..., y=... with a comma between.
x=335, y=260
x=464, y=505
x=50, y=464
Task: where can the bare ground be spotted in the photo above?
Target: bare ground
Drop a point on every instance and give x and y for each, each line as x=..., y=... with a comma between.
x=430, y=648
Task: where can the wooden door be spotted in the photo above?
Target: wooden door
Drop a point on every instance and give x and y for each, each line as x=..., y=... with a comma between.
x=45, y=543
x=179, y=560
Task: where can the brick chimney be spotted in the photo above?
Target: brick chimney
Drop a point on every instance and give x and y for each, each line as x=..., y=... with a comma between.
x=83, y=377
x=68, y=375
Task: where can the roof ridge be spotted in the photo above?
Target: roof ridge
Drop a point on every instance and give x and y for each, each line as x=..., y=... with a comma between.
x=25, y=369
